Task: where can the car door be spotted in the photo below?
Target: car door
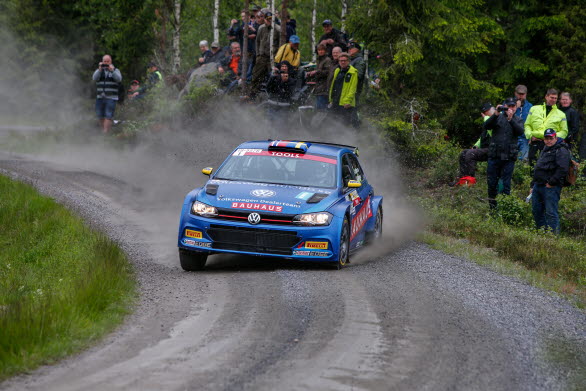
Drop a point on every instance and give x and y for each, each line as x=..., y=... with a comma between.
x=360, y=210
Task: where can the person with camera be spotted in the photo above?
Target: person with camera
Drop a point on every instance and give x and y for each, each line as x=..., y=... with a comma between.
x=502, y=151
x=523, y=107
x=541, y=117
x=550, y=172
x=108, y=79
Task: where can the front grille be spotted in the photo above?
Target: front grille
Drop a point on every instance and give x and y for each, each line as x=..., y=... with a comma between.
x=265, y=218
x=256, y=240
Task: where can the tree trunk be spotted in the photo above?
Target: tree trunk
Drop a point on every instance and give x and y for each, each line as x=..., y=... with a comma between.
x=244, y=74
x=177, y=37
x=215, y=21
x=313, y=23
x=284, y=18
x=344, y=13
x=272, y=33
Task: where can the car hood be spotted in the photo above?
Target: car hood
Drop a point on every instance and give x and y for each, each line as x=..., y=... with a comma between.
x=265, y=197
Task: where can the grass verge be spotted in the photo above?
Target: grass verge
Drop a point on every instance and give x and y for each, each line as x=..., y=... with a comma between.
x=62, y=285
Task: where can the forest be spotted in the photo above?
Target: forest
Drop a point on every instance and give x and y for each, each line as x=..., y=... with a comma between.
x=446, y=56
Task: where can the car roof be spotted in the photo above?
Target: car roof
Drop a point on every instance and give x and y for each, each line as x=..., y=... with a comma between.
x=314, y=147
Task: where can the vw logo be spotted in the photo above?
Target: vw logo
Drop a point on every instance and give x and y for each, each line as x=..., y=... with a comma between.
x=254, y=218
x=262, y=193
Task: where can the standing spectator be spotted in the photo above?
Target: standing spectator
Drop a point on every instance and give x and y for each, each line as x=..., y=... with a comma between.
x=205, y=52
x=478, y=152
x=343, y=89
x=332, y=37
x=154, y=74
x=320, y=77
x=502, y=150
x=336, y=51
x=290, y=52
x=572, y=117
x=523, y=107
x=543, y=117
x=263, y=53
x=107, y=78
x=548, y=178
x=280, y=88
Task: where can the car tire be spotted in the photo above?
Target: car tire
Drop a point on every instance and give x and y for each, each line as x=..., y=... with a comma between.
x=377, y=233
x=192, y=261
x=344, y=249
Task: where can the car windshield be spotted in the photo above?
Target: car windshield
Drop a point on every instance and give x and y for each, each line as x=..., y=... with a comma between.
x=285, y=170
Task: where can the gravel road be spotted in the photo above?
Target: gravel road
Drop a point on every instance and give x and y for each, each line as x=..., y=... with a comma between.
x=403, y=318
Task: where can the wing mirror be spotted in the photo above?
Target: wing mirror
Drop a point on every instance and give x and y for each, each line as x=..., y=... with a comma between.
x=354, y=184
x=207, y=171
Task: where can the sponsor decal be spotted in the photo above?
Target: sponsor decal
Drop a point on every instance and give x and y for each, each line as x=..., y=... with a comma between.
x=292, y=155
x=353, y=195
x=301, y=253
x=304, y=195
x=312, y=189
x=359, y=220
x=197, y=243
x=317, y=245
x=244, y=151
x=263, y=207
x=262, y=193
x=249, y=201
x=359, y=244
x=356, y=202
x=319, y=254
x=193, y=234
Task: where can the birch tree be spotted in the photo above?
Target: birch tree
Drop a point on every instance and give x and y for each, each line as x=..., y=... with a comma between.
x=177, y=36
x=244, y=74
x=344, y=13
x=284, y=17
x=215, y=21
x=272, y=32
x=313, y=23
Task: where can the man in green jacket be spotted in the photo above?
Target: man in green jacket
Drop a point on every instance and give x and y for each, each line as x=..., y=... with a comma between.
x=542, y=117
x=343, y=90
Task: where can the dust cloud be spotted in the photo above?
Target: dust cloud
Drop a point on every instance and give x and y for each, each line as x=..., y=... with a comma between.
x=158, y=170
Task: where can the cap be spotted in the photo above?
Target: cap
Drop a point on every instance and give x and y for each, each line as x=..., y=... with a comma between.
x=151, y=64
x=326, y=22
x=521, y=89
x=134, y=82
x=216, y=44
x=549, y=133
x=485, y=107
x=255, y=8
x=294, y=39
x=510, y=102
x=354, y=44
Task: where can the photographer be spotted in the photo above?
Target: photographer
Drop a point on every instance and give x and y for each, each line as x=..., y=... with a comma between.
x=107, y=79
x=502, y=151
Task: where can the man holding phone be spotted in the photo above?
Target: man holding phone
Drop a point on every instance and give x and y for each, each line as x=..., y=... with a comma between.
x=107, y=79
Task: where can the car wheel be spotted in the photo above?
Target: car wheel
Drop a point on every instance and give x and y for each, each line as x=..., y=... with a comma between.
x=344, y=250
x=377, y=232
x=192, y=261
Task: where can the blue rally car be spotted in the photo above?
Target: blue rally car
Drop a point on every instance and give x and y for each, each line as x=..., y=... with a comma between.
x=302, y=200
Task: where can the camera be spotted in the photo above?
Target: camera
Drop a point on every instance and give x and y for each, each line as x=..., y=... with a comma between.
x=502, y=109
x=105, y=66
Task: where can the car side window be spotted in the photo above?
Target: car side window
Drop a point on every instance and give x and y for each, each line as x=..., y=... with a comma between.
x=356, y=169
x=347, y=171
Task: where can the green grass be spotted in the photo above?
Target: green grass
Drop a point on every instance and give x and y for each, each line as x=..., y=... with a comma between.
x=62, y=285
x=557, y=263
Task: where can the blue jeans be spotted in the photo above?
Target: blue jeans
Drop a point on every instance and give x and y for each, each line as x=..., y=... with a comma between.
x=545, y=207
x=105, y=108
x=523, y=146
x=499, y=169
x=321, y=102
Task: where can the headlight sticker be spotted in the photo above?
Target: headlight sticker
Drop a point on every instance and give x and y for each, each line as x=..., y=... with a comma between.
x=193, y=234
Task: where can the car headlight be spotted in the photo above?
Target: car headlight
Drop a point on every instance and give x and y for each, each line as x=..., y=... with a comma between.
x=205, y=210
x=320, y=218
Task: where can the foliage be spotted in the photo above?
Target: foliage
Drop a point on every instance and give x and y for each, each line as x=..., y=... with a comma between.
x=61, y=284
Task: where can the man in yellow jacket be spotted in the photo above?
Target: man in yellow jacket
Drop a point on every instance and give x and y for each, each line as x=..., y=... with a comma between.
x=542, y=117
x=343, y=90
x=289, y=52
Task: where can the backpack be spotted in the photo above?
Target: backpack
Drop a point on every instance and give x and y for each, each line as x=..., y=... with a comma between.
x=572, y=172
